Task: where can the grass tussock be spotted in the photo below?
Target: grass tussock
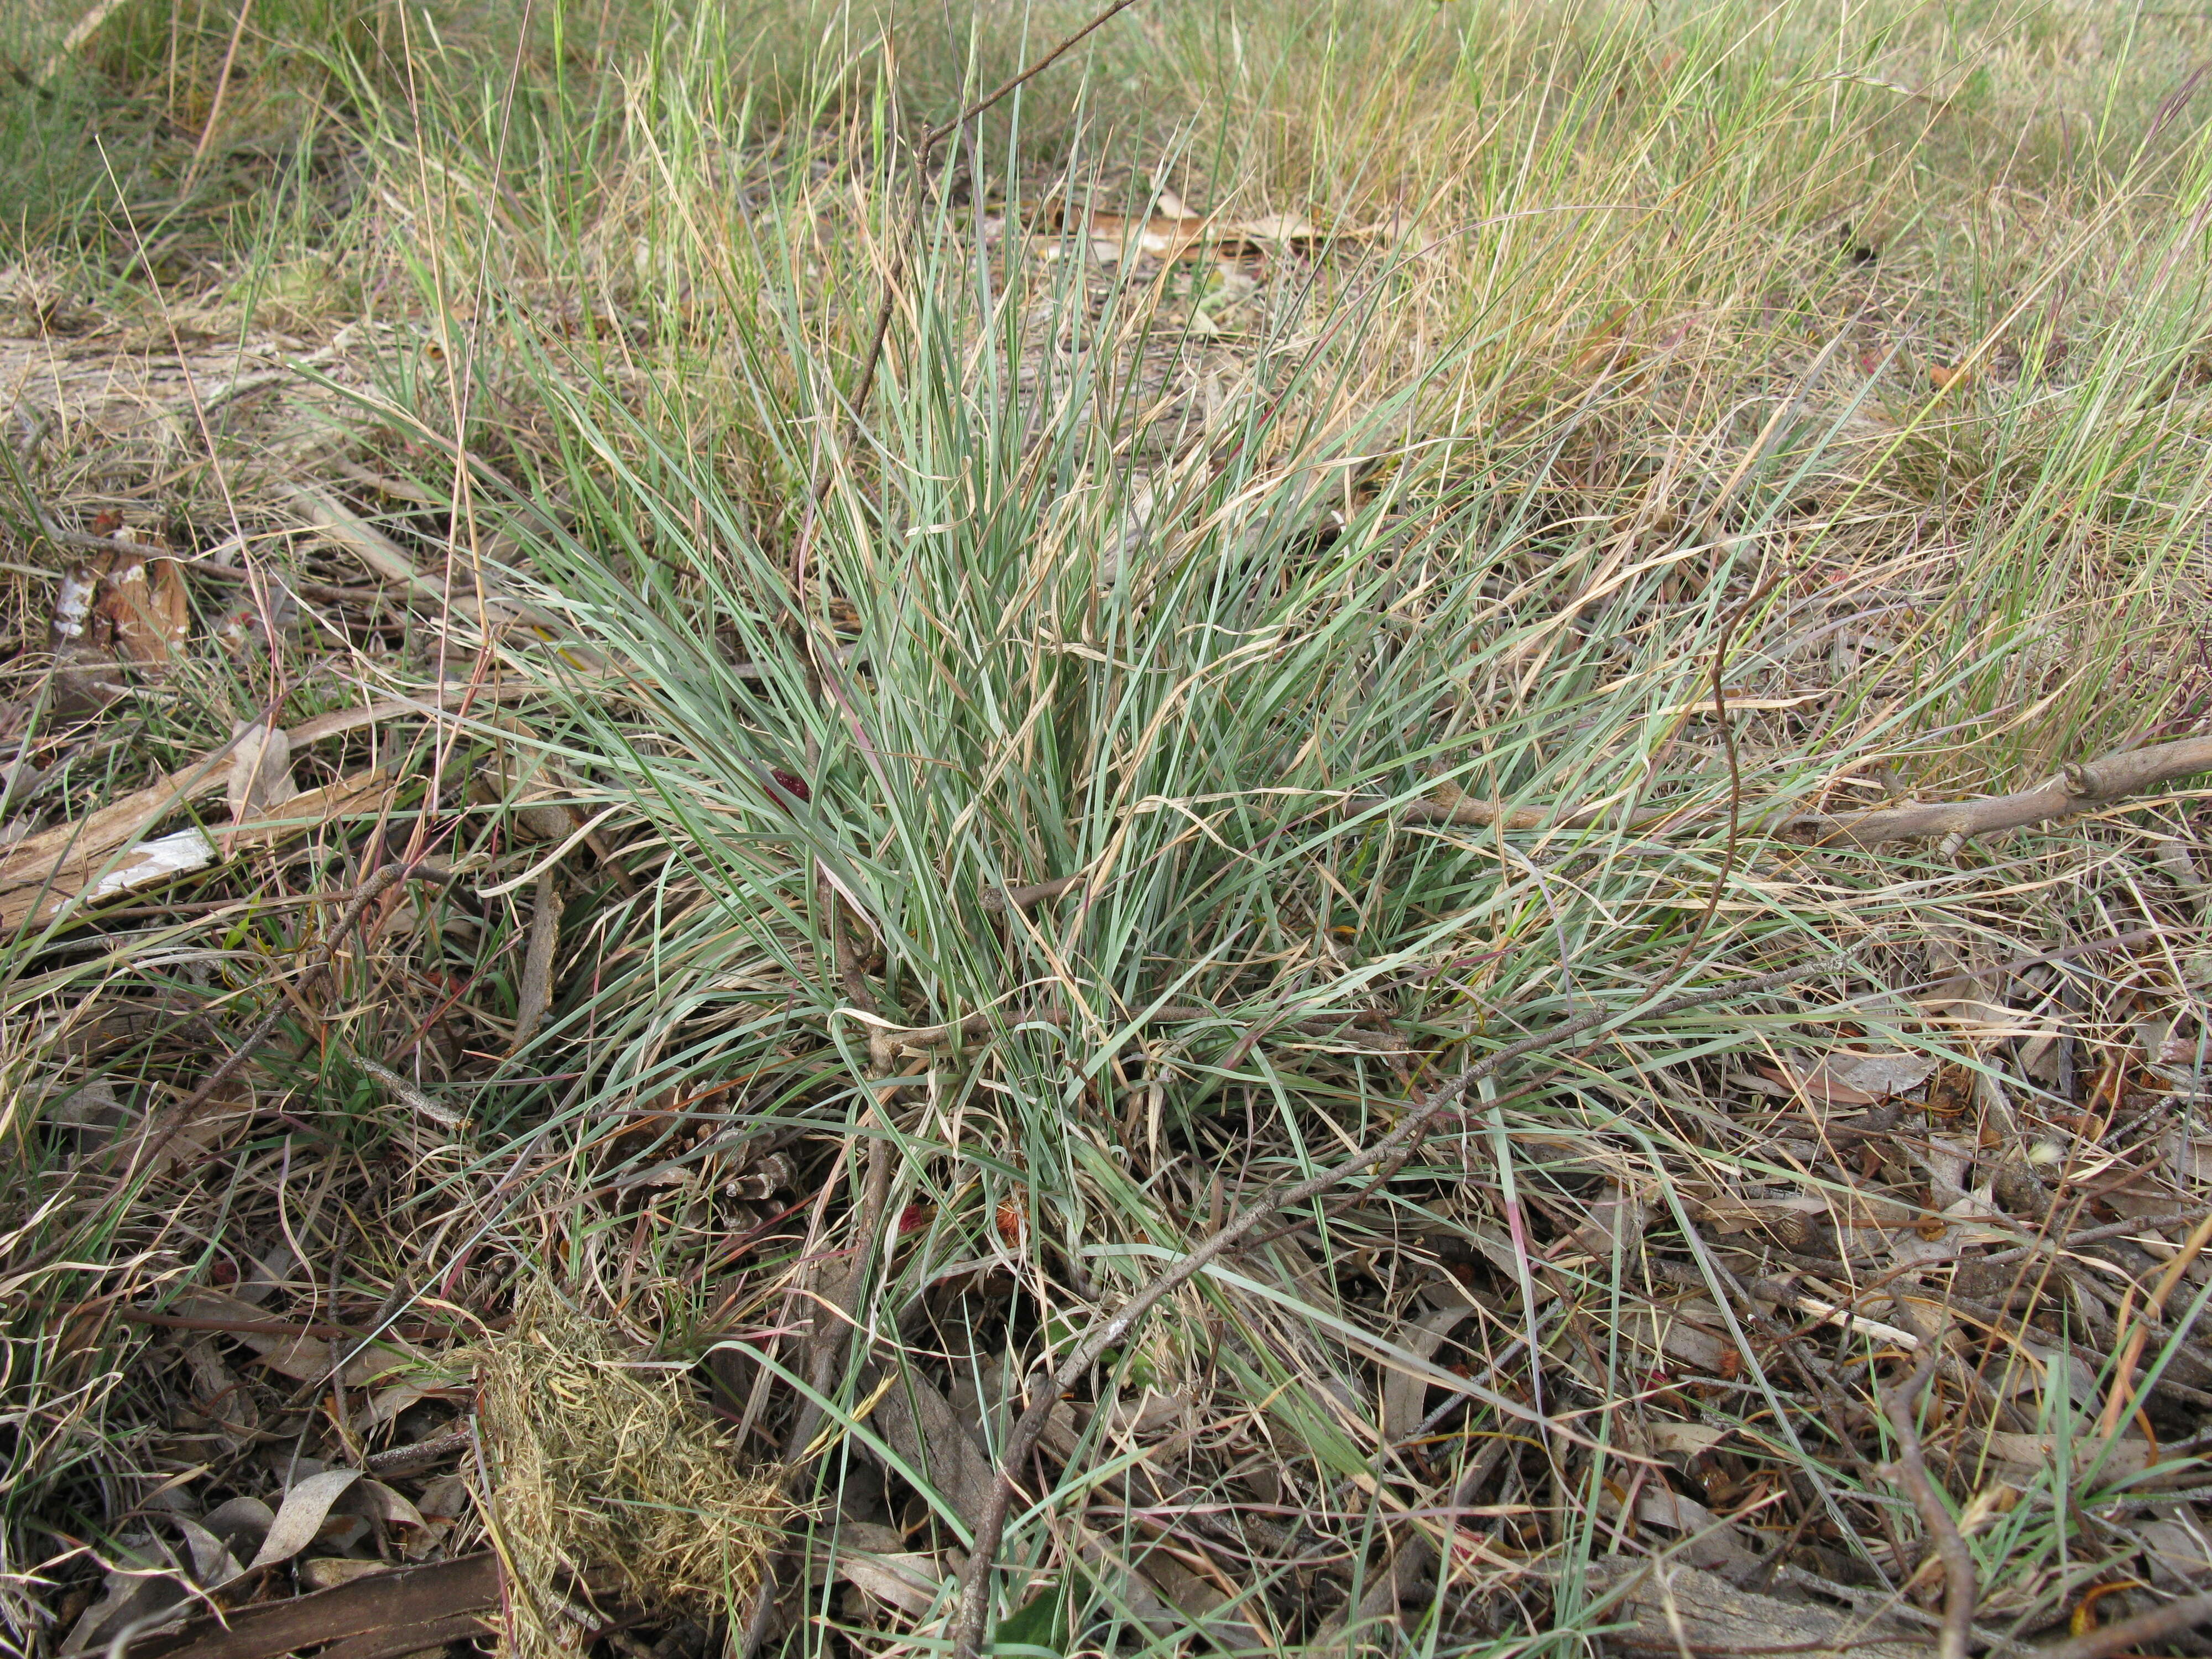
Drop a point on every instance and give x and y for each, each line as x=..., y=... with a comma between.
x=796, y=907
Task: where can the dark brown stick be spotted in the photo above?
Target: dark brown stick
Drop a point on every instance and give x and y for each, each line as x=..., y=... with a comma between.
x=974, y=1612
x=1961, y=1588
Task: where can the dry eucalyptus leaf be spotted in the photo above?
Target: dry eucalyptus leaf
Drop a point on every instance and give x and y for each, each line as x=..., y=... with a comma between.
x=260, y=770
x=303, y=1358
x=1686, y=1438
x=239, y=1522
x=918, y=1423
x=908, y=1580
x=1848, y=1078
x=1615, y=1220
x=1708, y=1542
x=300, y=1522
x=1404, y=1392
x=329, y=1571
x=2178, y=1553
x=374, y=1501
x=213, y=1564
x=142, y=1583
x=1152, y=1411
x=446, y=1498
x=93, y=1111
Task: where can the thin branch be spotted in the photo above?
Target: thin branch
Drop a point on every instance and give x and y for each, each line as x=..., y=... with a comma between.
x=2156, y=1625
x=1961, y=1588
x=973, y=1611
x=2078, y=787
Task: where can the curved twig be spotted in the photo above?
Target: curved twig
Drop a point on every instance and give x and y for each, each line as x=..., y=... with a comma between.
x=1961, y=1590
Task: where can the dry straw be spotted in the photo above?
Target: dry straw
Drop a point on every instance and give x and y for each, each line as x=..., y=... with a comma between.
x=608, y=1483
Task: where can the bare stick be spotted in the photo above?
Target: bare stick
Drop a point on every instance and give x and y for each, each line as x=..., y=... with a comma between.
x=990, y=1525
x=2078, y=787
x=1961, y=1588
x=2156, y=1625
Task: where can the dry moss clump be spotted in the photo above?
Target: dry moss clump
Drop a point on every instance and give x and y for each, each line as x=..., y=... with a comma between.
x=606, y=1472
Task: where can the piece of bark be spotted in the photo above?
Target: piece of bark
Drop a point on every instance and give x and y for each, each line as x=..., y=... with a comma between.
x=444, y=1593
x=36, y=886
x=1678, y=1610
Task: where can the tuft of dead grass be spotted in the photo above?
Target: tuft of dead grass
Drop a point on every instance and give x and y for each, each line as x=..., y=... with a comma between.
x=604, y=1476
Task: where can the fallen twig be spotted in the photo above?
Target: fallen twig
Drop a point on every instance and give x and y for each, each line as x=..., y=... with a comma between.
x=973, y=1611
x=1961, y=1588
x=2156, y=1625
x=2078, y=787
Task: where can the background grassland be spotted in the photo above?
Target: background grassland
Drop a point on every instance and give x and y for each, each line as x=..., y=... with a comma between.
x=1854, y=358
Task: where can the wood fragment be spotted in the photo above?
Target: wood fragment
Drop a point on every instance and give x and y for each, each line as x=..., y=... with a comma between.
x=2078, y=787
x=535, y=995
x=388, y=1603
x=37, y=888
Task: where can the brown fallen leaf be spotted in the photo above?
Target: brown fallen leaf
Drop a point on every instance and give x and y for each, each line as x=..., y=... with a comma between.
x=299, y=1519
x=144, y=603
x=1844, y=1079
x=305, y=1357
x=260, y=770
x=1957, y=377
